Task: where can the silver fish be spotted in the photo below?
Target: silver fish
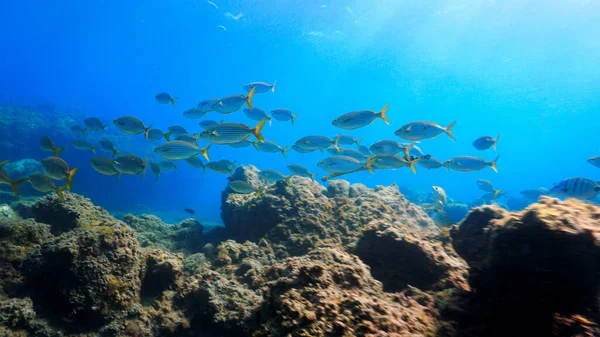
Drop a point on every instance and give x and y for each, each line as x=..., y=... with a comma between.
x=104, y=166
x=348, y=152
x=394, y=162
x=273, y=175
x=155, y=168
x=594, y=161
x=176, y=130
x=260, y=87
x=271, y=147
x=484, y=143
x=188, y=137
x=243, y=187
x=358, y=119
x=302, y=171
x=423, y=130
x=131, y=164
x=14, y=184
x=315, y=143
x=47, y=145
x=243, y=143
x=194, y=113
x=108, y=147
x=82, y=144
x=347, y=140
x=156, y=134
x=208, y=104
x=178, y=149
x=207, y=123
x=222, y=166
x=229, y=133
x=386, y=148
x=131, y=126
x=535, y=194
x=258, y=114
x=233, y=103
x=167, y=165
x=165, y=98
x=94, y=124
x=43, y=184
x=429, y=162
x=577, y=187
x=469, y=164
x=440, y=197
x=300, y=149
x=196, y=162
x=343, y=164
x=58, y=169
x=485, y=185
x=284, y=115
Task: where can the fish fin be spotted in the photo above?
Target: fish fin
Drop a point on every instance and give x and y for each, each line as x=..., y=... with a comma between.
x=205, y=152
x=448, y=130
x=294, y=118
x=369, y=164
x=175, y=166
x=496, y=142
x=168, y=134
x=94, y=149
x=412, y=165
x=250, y=96
x=14, y=185
x=284, y=151
x=335, y=144
x=173, y=101
x=312, y=176
x=146, y=133
x=256, y=144
x=258, y=128
x=270, y=120
x=358, y=143
x=70, y=176
x=383, y=114
x=57, y=151
x=497, y=193
x=115, y=154
x=407, y=151
x=273, y=86
x=493, y=164
x=145, y=166
x=59, y=192
x=447, y=166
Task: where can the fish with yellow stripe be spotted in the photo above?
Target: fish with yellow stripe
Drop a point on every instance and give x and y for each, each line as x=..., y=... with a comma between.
x=230, y=133
x=358, y=119
x=58, y=169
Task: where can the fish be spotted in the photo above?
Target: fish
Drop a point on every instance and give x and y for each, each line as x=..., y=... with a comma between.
x=258, y=114
x=167, y=165
x=300, y=149
x=347, y=140
x=284, y=115
x=348, y=152
x=365, y=150
x=131, y=164
x=208, y=104
x=188, y=137
x=233, y=103
x=104, y=165
x=157, y=134
x=358, y=119
x=165, y=98
x=577, y=187
x=535, y=194
x=428, y=162
x=207, y=123
x=243, y=187
x=58, y=169
x=335, y=175
x=194, y=113
x=178, y=149
x=273, y=176
x=222, y=166
x=493, y=195
x=302, y=171
x=234, y=17
x=594, y=161
x=82, y=144
x=77, y=129
x=155, y=168
x=386, y=147
x=13, y=184
x=108, y=147
x=43, y=184
x=394, y=162
x=271, y=147
x=131, y=126
x=342, y=164
x=260, y=87
x=196, y=162
x=47, y=145
x=94, y=124
x=315, y=143
x=229, y=133
x=176, y=130
x=469, y=164
x=189, y=210
x=422, y=130
x=485, y=142
x=243, y=143
x=440, y=197
x=485, y=185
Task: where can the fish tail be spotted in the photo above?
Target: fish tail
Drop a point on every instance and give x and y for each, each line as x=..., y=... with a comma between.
x=412, y=165
x=145, y=166
x=284, y=151
x=447, y=166
x=496, y=142
x=497, y=193
x=249, y=98
x=493, y=164
x=70, y=176
x=258, y=128
x=57, y=151
x=358, y=143
x=168, y=134
x=115, y=152
x=407, y=151
x=173, y=101
x=312, y=176
x=59, y=192
x=270, y=120
x=205, y=152
x=335, y=144
x=448, y=130
x=369, y=164
x=294, y=117
x=14, y=185
x=256, y=144
x=94, y=149
x=273, y=86
x=383, y=114
x=147, y=131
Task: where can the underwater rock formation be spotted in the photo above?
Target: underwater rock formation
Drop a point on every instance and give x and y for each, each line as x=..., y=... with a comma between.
x=22, y=168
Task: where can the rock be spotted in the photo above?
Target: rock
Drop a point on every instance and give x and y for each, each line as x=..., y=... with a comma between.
x=193, y=262
x=337, y=188
x=249, y=174
x=22, y=206
x=526, y=266
x=161, y=271
x=17, y=313
x=456, y=211
x=7, y=212
x=357, y=190
x=76, y=211
x=22, y=168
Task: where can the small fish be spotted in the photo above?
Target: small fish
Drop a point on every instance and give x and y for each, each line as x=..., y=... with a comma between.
x=258, y=114
x=348, y=152
x=469, y=164
x=243, y=143
x=485, y=185
x=222, y=166
x=440, y=197
x=284, y=115
x=578, y=187
x=165, y=98
x=108, y=147
x=261, y=87
x=365, y=150
x=208, y=104
x=335, y=175
x=58, y=169
x=394, y=162
x=47, y=145
x=43, y=184
x=386, y=148
x=156, y=134
x=167, y=165
x=188, y=137
x=194, y=113
x=302, y=171
x=428, y=162
x=155, y=168
x=222, y=27
x=207, y=123
x=315, y=143
x=104, y=165
x=594, y=161
x=484, y=143
x=189, y=210
x=234, y=17
x=271, y=147
x=535, y=194
x=76, y=129
x=273, y=176
x=300, y=149
x=358, y=119
x=243, y=187
x=229, y=133
x=14, y=184
x=423, y=130
x=94, y=124
x=347, y=140
x=82, y=144
x=196, y=162
x=233, y=103
x=131, y=126
x=343, y=164
x=488, y=197
x=131, y=164
x=178, y=149
x=176, y=130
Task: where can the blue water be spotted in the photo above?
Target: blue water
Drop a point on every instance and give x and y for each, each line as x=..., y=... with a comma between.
x=527, y=70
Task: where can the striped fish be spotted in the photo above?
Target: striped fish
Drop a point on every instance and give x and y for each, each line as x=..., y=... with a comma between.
x=270, y=147
x=347, y=140
x=229, y=133
x=194, y=113
x=469, y=164
x=131, y=126
x=429, y=162
x=578, y=187
x=196, y=162
x=104, y=166
x=394, y=162
x=302, y=171
x=233, y=103
x=5, y=180
x=94, y=124
x=208, y=104
x=58, y=169
x=43, y=184
x=47, y=145
x=258, y=114
x=156, y=134
x=284, y=115
x=222, y=166
x=178, y=149
x=348, y=152
x=484, y=143
x=343, y=164
x=423, y=130
x=108, y=147
x=260, y=87
x=176, y=130
x=131, y=164
x=82, y=144
x=312, y=143
x=273, y=175
x=358, y=119
x=188, y=137
x=243, y=187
